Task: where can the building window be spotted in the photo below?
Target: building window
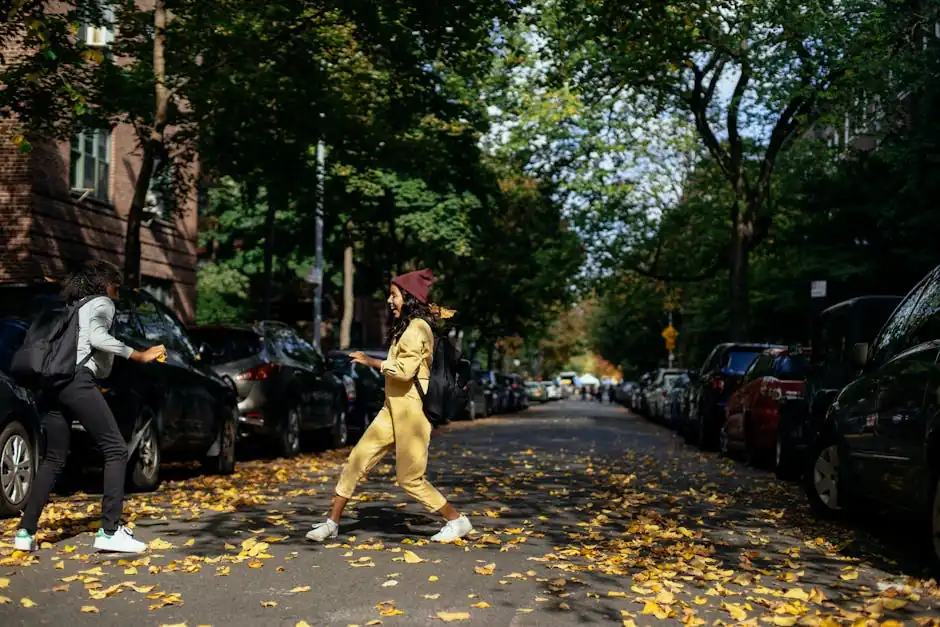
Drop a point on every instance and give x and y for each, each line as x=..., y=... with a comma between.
x=160, y=200
x=101, y=34
x=90, y=166
x=160, y=289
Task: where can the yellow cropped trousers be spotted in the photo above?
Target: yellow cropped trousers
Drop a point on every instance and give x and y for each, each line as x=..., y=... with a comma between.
x=400, y=424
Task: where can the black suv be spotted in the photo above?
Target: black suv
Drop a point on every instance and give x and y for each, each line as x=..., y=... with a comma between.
x=878, y=444
x=179, y=409
x=831, y=367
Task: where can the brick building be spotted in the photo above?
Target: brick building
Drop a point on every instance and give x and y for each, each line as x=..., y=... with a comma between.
x=67, y=202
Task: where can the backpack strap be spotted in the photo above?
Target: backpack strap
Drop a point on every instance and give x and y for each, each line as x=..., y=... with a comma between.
x=74, y=309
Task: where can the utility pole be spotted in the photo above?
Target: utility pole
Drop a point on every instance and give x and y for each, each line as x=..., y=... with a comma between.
x=318, y=269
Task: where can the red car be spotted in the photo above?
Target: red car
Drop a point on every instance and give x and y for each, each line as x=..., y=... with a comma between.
x=777, y=376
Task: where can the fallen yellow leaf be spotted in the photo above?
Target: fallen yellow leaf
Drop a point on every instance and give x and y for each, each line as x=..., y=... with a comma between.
x=432, y=578
x=796, y=593
x=737, y=613
x=4, y=583
x=849, y=576
x=5, y=600
x=785, y=621
x=160, y=545
x=90, y=609
x=27, y=602
x=190, y=542
x=433, y=596
x=893, y=604
x=651, y=607
x=411, y=557
x=269, y=604
x=302, y=623
x=482, y=605
x=374, y=621
x=485, y=570
x=449, y=617
x=300, y=589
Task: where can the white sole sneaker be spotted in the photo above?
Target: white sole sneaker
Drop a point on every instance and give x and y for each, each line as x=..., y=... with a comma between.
x=24, y=543
x=453, y=530
x=121, y=542
x=327, y=530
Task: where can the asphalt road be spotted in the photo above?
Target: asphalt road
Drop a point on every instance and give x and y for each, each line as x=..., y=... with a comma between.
x=584, y=514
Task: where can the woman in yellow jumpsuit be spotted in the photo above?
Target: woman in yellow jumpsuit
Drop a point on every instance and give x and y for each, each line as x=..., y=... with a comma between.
x=401, y=424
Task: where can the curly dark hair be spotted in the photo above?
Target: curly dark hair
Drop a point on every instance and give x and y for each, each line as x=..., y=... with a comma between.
x=91, y=279
x=411, y=309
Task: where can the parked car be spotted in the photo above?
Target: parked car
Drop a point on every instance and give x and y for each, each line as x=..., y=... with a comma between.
x=624, y=392
x=831, y=367
x=752, y=421
x=368, y=396
x=718, y=378
x=657, y=392
x=19, y=437
x=285, y=388
x=536, y=392
x=639, y=402
x=552, y=390
x=878, y=445
x=486, y=385
x=520, y=398
x=179, y=409
x=678, y=403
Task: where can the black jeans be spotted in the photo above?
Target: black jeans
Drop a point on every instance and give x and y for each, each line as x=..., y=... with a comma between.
x=80, y=400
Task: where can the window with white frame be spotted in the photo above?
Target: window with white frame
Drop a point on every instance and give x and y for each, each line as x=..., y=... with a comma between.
x=159, y=203
x=101, y=34
x=90, y=164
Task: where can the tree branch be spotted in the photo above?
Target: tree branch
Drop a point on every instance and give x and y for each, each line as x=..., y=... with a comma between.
x=734, y=109
x=699, y=107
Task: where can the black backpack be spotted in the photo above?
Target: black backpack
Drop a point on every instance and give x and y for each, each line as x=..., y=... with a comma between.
x=46, y=358
x=445, y=392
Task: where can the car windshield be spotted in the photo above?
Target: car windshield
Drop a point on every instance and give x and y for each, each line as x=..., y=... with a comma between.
x=739, y=360
x=227, y=345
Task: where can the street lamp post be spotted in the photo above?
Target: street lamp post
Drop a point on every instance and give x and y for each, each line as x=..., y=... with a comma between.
x=318, y=243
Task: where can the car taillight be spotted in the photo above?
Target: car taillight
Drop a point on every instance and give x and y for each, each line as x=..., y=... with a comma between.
x=718, y=384
x=665, y=394
x=258, y=373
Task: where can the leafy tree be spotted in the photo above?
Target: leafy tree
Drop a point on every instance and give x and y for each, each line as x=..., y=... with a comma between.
x=762, y=73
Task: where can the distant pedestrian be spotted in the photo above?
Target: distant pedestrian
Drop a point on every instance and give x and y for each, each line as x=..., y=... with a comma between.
x=401, y=424
x=93, y=288
x=611, y=394
x=583, y=393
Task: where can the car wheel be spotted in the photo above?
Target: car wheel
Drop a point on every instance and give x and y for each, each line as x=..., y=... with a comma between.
x=785, y=466
x=17, y=468
x=144, y=466
x=822, y=479
x=934, y=537
x=288, y=437
x=724, y=441
x=339, y=433
x=224, y=462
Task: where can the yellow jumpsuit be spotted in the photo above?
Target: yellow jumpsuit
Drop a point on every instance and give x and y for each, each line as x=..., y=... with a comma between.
x=401, y=422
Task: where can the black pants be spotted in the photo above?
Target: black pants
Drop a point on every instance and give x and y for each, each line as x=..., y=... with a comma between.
x=80, y=400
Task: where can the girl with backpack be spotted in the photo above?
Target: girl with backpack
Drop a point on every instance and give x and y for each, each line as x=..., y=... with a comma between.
x=93, y=289
x=401, y=423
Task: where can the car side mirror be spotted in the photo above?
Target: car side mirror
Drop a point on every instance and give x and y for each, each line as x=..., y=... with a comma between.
x=859, y=354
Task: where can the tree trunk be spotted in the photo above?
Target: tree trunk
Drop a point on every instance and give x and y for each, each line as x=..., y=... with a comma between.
x=739, y=301
x=152, y=141
x=349, y=299
x=269, y=232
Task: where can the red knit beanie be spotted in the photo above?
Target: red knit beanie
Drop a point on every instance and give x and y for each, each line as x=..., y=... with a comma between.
x=416, y=283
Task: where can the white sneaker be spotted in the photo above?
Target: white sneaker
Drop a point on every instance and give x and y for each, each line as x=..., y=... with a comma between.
x=24, y=541
x=454, y=529
x=327, y=530
x=121, y=541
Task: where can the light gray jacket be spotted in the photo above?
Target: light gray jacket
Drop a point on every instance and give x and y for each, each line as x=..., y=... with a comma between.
x=94, y=334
